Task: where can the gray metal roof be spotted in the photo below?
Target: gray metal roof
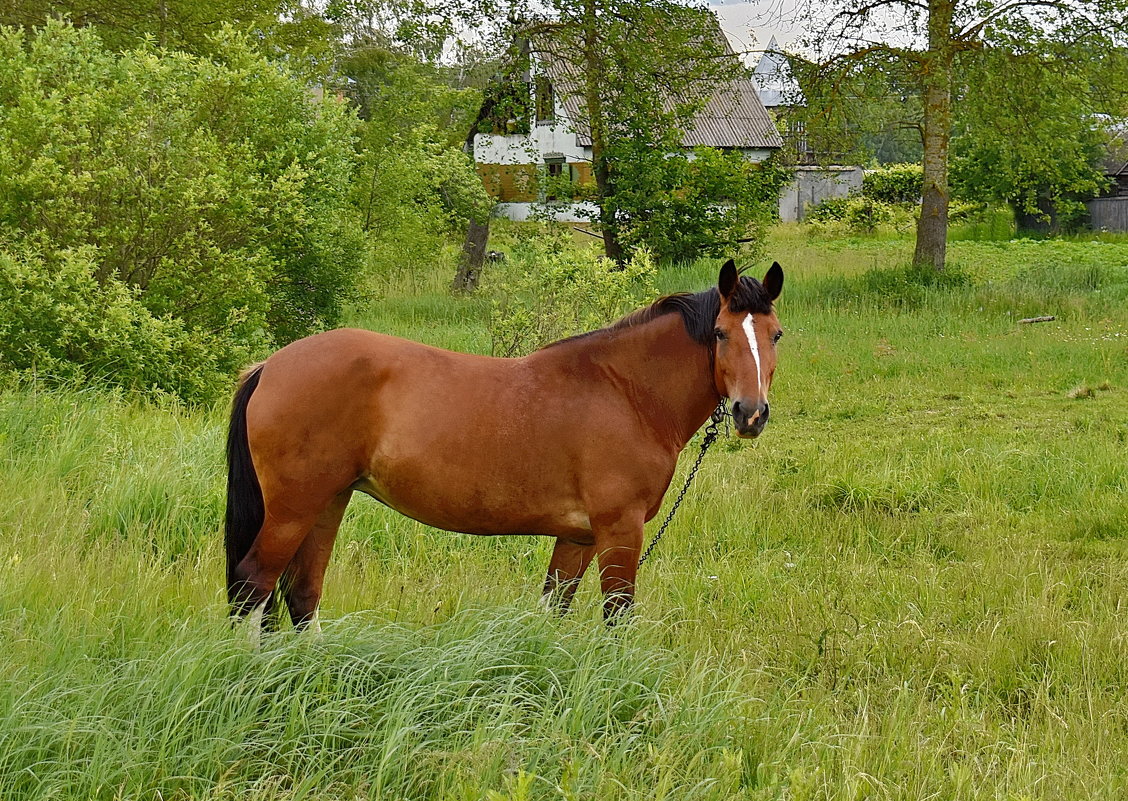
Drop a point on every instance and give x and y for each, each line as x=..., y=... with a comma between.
x=734, y=117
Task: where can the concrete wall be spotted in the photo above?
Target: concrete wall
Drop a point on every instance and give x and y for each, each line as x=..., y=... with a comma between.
x=813, y=185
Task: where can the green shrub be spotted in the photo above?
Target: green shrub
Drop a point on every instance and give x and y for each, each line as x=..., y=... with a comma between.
x=857, y=213
x=413, y=193
x=683, y=206
x=215, y=190
x=547, y=292
x=59, y=323
x=894, y=183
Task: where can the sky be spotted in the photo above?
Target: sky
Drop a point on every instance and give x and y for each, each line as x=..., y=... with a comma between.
x=750, y=26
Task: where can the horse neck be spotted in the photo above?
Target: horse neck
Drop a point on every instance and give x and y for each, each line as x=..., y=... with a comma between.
x=667, y=375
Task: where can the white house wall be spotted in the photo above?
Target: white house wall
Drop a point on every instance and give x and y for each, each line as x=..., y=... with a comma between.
x=558, y=212
x=529, y=148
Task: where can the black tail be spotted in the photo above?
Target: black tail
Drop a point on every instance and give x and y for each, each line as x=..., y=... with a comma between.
x=244, y=495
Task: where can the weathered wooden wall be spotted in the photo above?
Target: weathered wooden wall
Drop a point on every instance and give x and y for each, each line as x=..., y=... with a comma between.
x=1109, y=214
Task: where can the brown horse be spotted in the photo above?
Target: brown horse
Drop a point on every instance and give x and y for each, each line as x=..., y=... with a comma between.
x=577, y=441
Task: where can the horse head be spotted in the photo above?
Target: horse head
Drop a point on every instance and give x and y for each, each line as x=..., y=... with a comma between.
x=746, y=332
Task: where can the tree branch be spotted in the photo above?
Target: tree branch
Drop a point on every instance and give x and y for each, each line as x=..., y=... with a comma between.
x=973, y=31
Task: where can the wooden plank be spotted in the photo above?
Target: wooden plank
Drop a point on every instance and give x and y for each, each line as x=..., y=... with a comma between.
x=1109, y=214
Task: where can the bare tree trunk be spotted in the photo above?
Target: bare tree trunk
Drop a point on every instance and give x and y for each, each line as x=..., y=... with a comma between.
x=610, y=229
x=162, y=15
x=605, y=188
x=473, y=256
x=932, y=227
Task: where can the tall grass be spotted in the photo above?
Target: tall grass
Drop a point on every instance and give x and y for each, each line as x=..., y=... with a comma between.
x=912, y=586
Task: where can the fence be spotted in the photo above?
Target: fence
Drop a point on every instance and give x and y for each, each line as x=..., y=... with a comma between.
x=1109, y=214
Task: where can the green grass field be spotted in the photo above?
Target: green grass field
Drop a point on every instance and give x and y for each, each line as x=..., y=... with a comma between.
x=914, y=585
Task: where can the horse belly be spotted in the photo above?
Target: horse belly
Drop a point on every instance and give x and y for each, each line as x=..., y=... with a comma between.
x=473, y=501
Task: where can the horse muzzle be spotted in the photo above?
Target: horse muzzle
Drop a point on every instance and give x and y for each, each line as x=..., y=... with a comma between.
x=749, y=418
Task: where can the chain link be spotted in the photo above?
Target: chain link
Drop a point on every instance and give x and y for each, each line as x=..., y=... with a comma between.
x=711, y=432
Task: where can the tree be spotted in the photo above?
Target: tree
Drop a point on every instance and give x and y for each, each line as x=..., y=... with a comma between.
x=1038, y=150
x=930, y=39
x=415, y=181
x=868, y=112
x=282, y=29
x=641, y=71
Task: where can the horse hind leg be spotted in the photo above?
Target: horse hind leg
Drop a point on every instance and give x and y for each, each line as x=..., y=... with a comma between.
x=565, y=570
x=302, y=582
x=257, y=574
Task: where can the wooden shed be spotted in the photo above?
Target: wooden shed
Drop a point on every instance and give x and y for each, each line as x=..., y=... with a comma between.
x=1109, y=212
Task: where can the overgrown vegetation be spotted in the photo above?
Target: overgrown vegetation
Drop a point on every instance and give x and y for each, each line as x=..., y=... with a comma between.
x=202, y=197
x=889, y=199
x=908, y=587
x=547, y=290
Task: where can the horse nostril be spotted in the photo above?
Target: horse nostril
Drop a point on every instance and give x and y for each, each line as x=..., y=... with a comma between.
x=736, y=409
x=764, y=409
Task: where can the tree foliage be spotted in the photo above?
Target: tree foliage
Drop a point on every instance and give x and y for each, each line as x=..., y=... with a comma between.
x=215, y=191
x=284, y=30
x=894, y=183
x=1038, y=148
x=641, y=71
x=683, y=205
x=415, y=185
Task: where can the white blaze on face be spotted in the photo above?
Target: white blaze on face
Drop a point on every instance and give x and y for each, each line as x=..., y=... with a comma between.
x=750, y=331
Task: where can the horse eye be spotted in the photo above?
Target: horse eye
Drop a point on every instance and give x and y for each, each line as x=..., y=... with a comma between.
x=777, y=337
x=719, y=334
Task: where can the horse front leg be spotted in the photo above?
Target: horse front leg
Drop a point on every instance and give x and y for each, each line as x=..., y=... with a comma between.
x=617, y=545
x=565, y=570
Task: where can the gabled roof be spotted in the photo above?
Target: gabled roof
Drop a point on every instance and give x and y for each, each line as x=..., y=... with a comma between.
x=1115, y=162
x=776, y=85
x=734, y=117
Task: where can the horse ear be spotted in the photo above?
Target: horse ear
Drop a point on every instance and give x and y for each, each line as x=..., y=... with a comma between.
x=773, y=281
x=726, y=282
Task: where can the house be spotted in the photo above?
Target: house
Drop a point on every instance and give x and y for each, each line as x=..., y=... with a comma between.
x=552, y=139
x=815, y=179
x=780, y=94
x=1109, y=212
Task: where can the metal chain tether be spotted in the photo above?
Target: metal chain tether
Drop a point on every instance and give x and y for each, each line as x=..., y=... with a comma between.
x=711, y=433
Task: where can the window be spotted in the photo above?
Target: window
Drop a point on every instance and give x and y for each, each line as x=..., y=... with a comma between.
x=556, y=171
x=546, y=103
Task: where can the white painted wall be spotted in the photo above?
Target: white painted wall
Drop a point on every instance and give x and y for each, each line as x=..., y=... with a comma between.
x=529, y=148
x=569, y=212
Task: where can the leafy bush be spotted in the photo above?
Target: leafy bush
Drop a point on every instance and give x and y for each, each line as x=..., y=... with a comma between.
x=682, y=206
x=856, y=212
x=60, y=323
x=547, y=292
x=894, y=183
x=413, y=193
x=212, y=193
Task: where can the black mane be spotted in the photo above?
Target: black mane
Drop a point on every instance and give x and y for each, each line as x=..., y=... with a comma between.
x=698, y=310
